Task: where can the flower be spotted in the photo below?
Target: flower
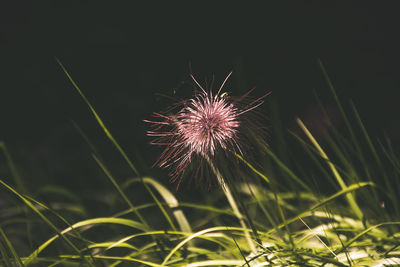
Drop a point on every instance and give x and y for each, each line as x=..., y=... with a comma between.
x=203, y=126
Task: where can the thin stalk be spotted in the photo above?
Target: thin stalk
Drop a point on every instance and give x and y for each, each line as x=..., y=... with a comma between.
x=350, y=198
x=231, y=202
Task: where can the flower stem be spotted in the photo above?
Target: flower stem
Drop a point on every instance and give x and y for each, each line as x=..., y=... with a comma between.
x=231, y=202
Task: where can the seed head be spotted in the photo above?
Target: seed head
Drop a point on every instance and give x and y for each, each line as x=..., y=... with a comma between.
x=203, y=126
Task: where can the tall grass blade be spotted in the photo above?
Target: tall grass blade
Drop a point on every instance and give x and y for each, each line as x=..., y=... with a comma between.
x=350, y=198
x=78, y=235
x=120, y=191
x=106, y=131
x=311, y=151
x=252, y=168
x=89, y=222
x=287, y=170
x=343, y=113
x=11, y=248
x=98, y=119
x=47, y=221
x=284, y=221
x=366, y=231
x=169, y=199
x=14, y=171
x=326, y=200
x=124, y=259
x=366, y=135
x=392, y=193
x=20, y=186
x=110, y=245
x=255, y=193
x=217, y=263
x=200, y=233
x=4, y=257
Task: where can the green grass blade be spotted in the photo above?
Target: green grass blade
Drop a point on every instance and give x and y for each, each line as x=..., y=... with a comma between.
x=20, y=186
x=89, y=222
x=125, y=259
x=366, y=135
x=163, y=211
x=342, y=112
x=160, y=233
x=311, y=151
x=172, y=203
x=109, y=245
x=256, y=194
x=371, y=146
x=4, y=257
x=354, y=141
x=78, y=235
x=284, y=221
x=14, y=171
x=207, y=208
x=200, y=233
x=348, y=243
x=326, y=200
x=252, y=168
x=47, y=221
x=98, y=119
x=216, y=238
x=57, y=190
x=324, y=260
x=11, y=248
x=395, y=164
x=350, y=198
x=120, y=191
x=85, y=137
x=348, y=189
x=217, y=263
x=198, y=207
x=105, y=129
x=287, y=170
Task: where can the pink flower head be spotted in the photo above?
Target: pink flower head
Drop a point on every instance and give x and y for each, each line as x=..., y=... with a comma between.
x=204, y=125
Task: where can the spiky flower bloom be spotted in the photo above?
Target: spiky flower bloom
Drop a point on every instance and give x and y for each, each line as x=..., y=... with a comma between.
x=204, y=125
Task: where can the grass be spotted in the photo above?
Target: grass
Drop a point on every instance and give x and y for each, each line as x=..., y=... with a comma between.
x=277, y=216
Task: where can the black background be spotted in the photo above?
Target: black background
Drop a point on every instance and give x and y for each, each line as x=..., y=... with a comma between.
x=122, y=54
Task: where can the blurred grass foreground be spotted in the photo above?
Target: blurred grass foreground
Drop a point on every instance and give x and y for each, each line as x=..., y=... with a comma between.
x=309, y=200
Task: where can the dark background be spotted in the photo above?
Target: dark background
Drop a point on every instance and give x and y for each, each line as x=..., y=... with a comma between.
x=122, y=54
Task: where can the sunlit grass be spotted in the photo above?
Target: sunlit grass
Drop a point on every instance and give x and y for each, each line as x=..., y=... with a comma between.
x=289, y=221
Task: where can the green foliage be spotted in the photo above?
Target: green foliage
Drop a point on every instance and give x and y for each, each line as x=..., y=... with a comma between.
x=354, y=223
